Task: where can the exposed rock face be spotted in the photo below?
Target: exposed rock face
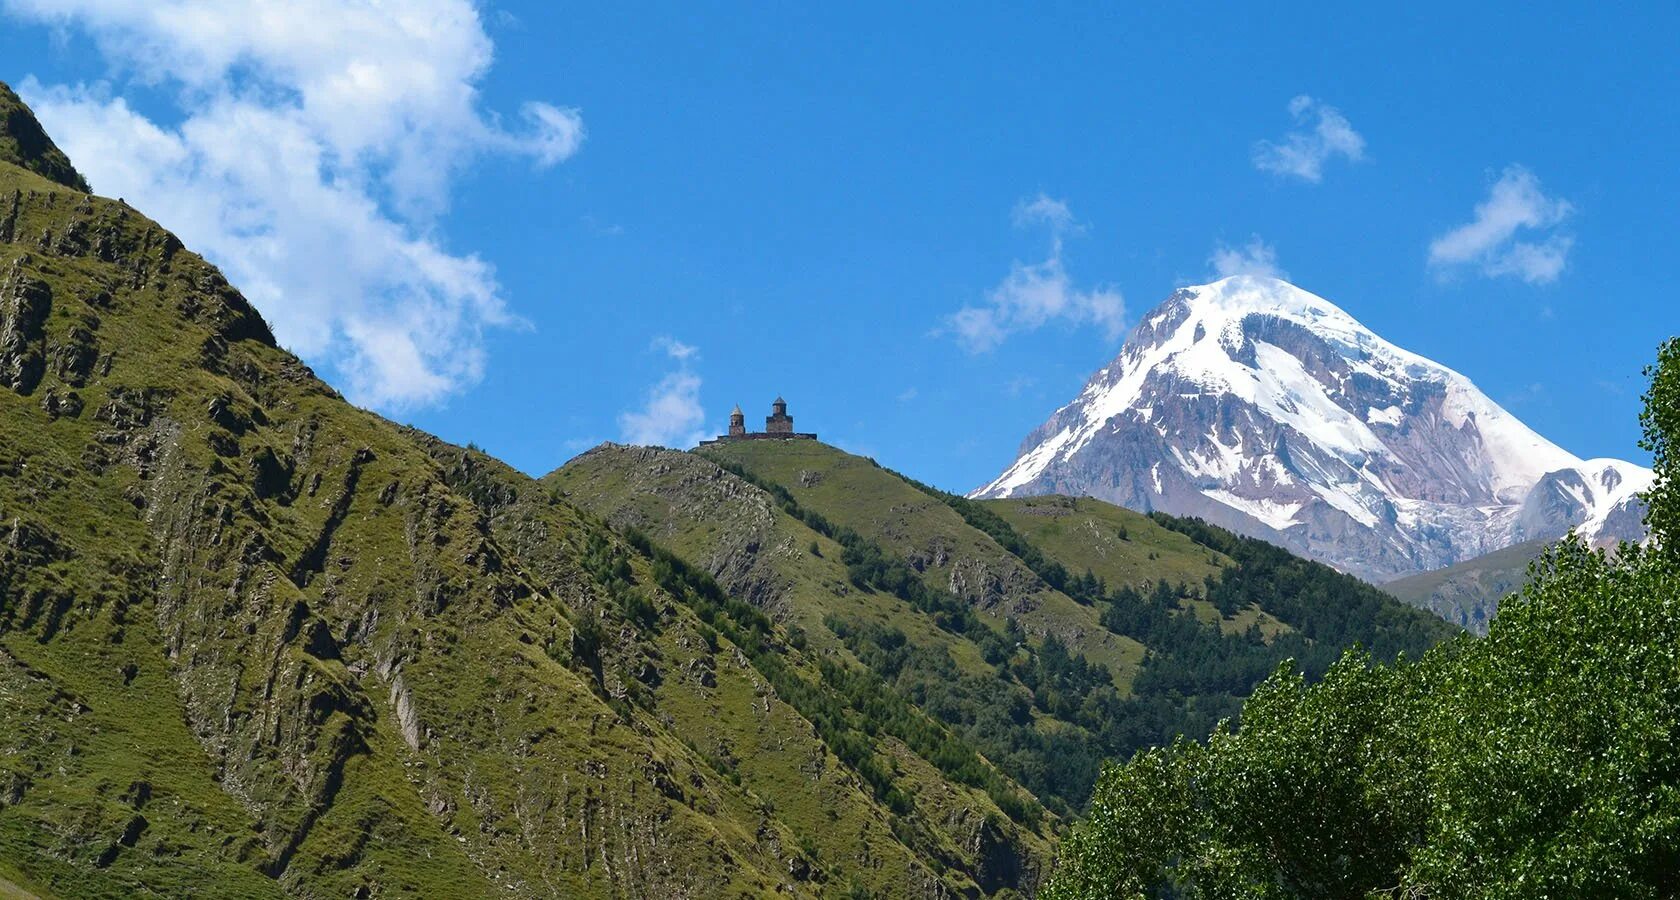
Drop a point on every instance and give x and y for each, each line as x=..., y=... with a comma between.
x=24, y=143
x=24, y=305
x=332, y=657
x=675, y=489
x=1268, y=410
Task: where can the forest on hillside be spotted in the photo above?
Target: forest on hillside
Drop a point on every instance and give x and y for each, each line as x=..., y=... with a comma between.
x=1540, y=761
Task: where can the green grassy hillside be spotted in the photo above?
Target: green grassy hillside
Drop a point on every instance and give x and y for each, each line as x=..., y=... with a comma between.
x=1116, y=544
x=841, y=813
x=23, y=143
x=1123, y=547
x=1469, y=592
x=256, y=643
x=945, y=551
x=996, y=631
x=251, y=640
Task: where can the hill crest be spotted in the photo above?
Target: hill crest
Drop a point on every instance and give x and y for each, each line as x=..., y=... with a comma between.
x=24, y=143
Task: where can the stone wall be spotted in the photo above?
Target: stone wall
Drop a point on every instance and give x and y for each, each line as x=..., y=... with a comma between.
x=761, y=436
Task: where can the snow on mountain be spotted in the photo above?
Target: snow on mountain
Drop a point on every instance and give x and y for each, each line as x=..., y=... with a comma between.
x=1265, y=408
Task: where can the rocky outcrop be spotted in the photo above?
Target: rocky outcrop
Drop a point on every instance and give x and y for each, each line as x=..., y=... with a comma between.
x=23, y=142
x=25, y=303
x=676, y=489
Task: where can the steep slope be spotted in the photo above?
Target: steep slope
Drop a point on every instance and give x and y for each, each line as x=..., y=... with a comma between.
x=781, y=760
x=738, y=533
x=1113, y=543
x=1468, y=593
x=271, y=647
x=24, y=143
x=985, y=630
x=749, y=539
x=1122, y=547
x=1264, y=408
x=947, y=553
x=255, y=642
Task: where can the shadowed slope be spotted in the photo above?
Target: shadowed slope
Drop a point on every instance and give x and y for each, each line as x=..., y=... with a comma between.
x=24, y=143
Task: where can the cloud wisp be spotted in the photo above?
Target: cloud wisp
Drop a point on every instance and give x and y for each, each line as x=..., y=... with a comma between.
x=311, y=148
x=1035, y=294
x=1254, y=258
x=1322, y=134
x=671, y=414
x=1515, y=204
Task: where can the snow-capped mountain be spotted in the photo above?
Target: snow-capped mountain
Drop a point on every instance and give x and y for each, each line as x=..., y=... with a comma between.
x=1267, y=409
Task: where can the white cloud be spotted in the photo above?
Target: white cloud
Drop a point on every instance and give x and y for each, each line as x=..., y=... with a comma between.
x=671, y=414
x=1034, y=294
x=676, y=349
x=556, y=133
x=1489, y=241
x=1256, y=258
x=1323, y=133
x=311, y=148
x=1046, y=210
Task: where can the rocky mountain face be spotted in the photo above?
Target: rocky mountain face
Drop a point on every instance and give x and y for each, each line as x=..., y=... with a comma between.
x=1261, y=407
x=256, y=642
x=24, y=143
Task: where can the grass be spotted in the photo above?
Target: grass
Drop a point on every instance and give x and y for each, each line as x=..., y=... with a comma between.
x=1115, y=544
x=318, y=653
x=950, y=554
x=686, y=502
x=1125, y=547
x=255, y=642
x=709, y=517
x=10, y=890
x=1468, y=593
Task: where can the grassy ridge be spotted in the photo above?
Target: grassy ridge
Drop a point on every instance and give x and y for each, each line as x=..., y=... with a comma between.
x=255, y=642
x=1044, y=708
x=948, y=554
x=1112, y=543
x=1469, y=592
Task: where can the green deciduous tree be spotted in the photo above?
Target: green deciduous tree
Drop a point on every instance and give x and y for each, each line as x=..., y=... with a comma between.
x=1661, y=420
x=1540, y=761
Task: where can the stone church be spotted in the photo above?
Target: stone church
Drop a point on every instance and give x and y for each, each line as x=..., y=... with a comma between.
x=778, y=426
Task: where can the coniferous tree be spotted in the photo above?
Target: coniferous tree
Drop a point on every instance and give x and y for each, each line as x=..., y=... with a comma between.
x=1539, y=761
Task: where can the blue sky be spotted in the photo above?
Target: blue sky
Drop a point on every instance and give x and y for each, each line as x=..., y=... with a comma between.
x=536, y=227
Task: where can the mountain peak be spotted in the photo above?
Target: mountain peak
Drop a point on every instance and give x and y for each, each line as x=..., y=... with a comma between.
x=23, y=142
x=1270, y=410
x=1243, y=294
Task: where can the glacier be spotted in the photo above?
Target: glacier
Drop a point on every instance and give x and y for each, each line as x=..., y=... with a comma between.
x=1268, y=409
